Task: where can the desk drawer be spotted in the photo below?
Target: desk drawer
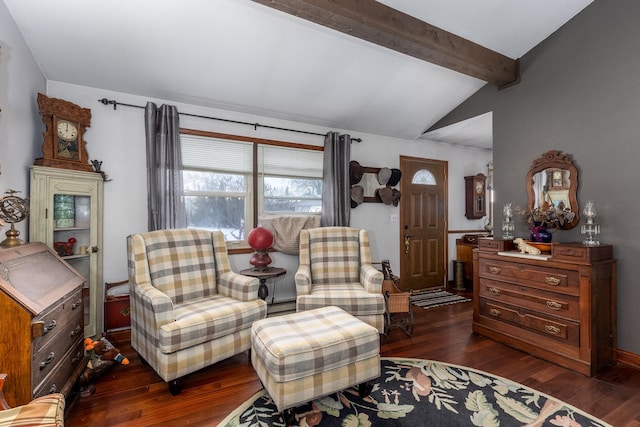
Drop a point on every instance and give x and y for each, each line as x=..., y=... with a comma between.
x=564, y=331
x=60, y=375
x=62, y=318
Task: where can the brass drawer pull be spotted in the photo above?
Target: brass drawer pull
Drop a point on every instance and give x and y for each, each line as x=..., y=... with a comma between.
x=49, y=327
x=54, y=388
x=553, y=305
x=553, y=281
x=552, y=329
x=75, y=331
x=495, y=312
x=76, y=304
x=494, y=270
x=494, y=291
x=48, y=360
x=79, y=355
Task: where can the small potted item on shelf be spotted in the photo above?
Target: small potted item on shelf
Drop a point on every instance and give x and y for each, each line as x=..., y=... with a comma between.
x=65, y=248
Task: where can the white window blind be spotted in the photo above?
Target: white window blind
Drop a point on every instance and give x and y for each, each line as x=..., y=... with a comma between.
x=280, y=161
x=216, y=154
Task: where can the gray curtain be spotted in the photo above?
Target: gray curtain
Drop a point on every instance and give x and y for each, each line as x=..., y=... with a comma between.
x=336, y=206
x=164, y=168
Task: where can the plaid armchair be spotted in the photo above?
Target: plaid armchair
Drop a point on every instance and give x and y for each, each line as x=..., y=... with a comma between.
x=188, y=309
x=42, y=411
x=335, y=269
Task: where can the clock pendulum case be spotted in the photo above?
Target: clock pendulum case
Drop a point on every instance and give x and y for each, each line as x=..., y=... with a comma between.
x=64, y=145
x=475, y=196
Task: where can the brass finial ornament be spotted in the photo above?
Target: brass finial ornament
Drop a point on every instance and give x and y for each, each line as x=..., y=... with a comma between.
x=13, y=209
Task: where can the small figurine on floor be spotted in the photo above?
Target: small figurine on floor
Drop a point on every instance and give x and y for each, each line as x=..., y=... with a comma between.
x=102, y=354
x=526, y=248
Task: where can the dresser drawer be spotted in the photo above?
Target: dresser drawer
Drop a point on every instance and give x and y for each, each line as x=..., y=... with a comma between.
x=59, y=376
x=551, y=279
x=495, y=245
x=580, y=253
x=57, y=320
x=553, y=303
x=565, y=331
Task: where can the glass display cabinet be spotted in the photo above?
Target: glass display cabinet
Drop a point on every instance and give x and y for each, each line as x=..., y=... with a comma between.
x=66, y=215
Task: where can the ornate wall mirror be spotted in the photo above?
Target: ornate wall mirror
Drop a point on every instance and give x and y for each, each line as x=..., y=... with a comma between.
x=553, y=179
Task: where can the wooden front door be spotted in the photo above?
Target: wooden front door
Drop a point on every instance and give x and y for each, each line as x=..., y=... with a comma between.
x=423, y=223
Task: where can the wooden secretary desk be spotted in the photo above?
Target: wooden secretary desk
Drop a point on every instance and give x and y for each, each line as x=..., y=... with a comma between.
x=41, y=323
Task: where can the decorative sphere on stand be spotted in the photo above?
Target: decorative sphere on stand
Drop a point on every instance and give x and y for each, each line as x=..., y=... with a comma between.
x=261, y=240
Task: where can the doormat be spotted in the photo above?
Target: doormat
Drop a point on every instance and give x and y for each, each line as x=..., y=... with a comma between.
x=430, y=298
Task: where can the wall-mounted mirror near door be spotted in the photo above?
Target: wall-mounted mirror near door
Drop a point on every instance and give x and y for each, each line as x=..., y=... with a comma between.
x=370, y=183
x=553, y=181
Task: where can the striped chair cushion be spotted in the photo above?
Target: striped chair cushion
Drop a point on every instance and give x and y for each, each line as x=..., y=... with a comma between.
x=42, y=411
x=182, y=263
x=302, y=344
x=334, y=254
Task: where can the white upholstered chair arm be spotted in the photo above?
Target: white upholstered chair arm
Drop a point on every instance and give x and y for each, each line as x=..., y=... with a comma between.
x=237, y=286
x=303, y=280
x=371, y=279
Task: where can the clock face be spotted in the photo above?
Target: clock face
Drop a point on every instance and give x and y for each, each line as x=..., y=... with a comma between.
x=479, y=188
x=67, y=131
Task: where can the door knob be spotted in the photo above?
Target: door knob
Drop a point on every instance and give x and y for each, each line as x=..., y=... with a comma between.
x=407, y=242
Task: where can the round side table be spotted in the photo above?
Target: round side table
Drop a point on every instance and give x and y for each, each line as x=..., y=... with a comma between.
x=263, y=274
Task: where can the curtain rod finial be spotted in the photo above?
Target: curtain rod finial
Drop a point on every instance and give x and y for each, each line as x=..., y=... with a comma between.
x=106, y=101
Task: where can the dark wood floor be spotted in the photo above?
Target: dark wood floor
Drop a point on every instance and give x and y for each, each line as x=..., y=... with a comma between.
x=133, y=395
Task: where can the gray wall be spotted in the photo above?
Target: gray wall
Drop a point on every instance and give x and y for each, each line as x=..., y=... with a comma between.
x=20, y=123
x=579, y=94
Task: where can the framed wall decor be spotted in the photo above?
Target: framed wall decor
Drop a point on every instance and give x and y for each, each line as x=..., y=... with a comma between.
x=64, y=145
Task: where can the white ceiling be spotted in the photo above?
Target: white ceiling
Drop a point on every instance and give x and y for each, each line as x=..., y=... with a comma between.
x=241, y=56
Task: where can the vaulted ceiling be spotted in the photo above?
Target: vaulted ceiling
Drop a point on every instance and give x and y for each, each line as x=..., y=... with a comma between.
x=393, y=67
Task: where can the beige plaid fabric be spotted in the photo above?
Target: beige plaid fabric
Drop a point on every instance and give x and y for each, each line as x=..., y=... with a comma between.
x=306, y=355
x=335, y=269
x=188, y=309
x=42, y=411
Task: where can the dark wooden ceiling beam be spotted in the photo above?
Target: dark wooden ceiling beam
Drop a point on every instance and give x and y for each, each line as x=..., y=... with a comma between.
x=379, y=24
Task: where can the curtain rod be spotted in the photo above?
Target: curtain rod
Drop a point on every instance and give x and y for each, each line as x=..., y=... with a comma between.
x=115, y=103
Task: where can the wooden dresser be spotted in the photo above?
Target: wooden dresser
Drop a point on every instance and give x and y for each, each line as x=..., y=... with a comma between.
x=562, y=308
x=41, y=323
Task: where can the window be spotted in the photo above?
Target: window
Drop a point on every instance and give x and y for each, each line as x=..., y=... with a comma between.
x=291, y=180
x=219, y=178
x=423, y=177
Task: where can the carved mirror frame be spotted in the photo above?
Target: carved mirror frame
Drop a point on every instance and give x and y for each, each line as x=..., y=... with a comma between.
x=370, y=183
x=555, y=160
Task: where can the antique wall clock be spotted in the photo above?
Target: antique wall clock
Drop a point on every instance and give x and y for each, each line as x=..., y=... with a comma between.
x=475, y=196
x=64, y=144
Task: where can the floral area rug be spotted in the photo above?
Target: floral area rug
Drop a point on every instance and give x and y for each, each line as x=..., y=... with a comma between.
x=415, y=392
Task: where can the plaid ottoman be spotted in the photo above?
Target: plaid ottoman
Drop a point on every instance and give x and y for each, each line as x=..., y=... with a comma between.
x=302, y=356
